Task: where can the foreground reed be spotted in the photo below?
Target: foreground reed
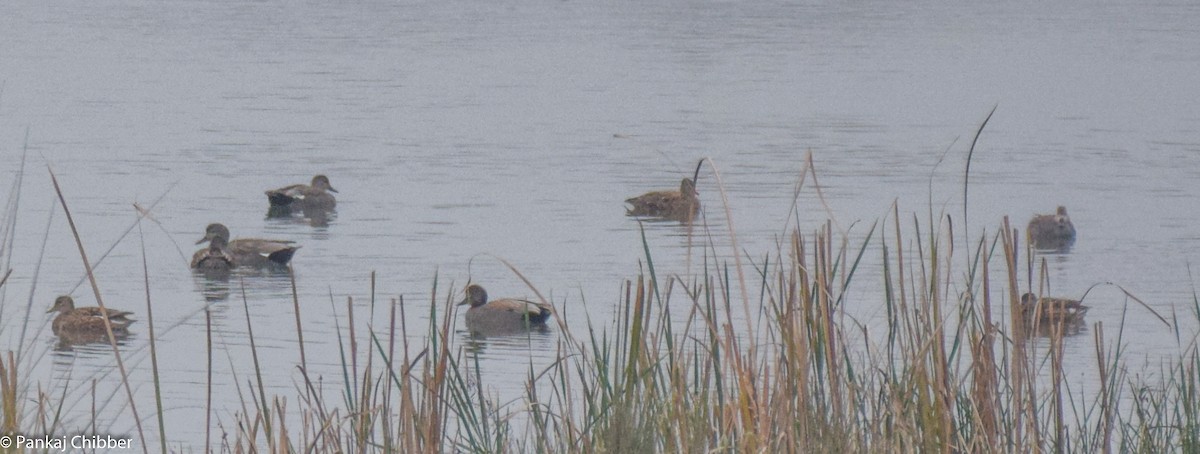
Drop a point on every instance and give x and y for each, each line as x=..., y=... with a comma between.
x=683, y=369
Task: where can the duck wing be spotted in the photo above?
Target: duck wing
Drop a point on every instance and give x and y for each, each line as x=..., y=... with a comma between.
x=97, y=312
x=1053, y=309
x=277, y=251
x=287, y=194
x=1066, y=306
x=535, y=312
x=85, y=318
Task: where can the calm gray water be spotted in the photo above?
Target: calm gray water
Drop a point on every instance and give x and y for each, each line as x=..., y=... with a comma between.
x=459, y=132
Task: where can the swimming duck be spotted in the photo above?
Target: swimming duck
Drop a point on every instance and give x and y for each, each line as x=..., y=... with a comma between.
x=502, y=315
x=249, y=252
x=1051, y=231
x=215, y=258
x=315, y=195
x=1047, y=310
x=680, y=205
x=72, y=322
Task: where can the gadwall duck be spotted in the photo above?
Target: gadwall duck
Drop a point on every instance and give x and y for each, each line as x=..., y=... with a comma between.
x=300, y=196
x=73, y=323
x=1048, y=310
x=502, y=315
x=215, y=258
x=679, y=205
x=248, y=252
x=1051, y=231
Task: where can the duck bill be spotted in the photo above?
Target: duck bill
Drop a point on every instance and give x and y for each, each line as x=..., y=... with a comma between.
x=52, y=309
x=206, y=238
x=464, y=302
x=696, y=173
x=331, y=189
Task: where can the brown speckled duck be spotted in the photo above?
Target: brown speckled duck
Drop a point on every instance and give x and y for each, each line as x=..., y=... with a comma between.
x=72, y=322
x=502, y=315
x=301, y=196
x=1048, y=310
x=1051, y=231
x=679, y=205
x=248, y=252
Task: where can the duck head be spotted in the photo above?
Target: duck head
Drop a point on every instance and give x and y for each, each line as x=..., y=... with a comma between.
x=688, y=188
x=215, y=230
x=1062, y=222
x=476, y=296
x=322, y=182
x=62, y=304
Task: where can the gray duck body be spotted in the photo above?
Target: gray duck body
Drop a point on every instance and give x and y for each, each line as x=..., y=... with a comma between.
x=681, y=205
x=1051, y=310
x=1051, y=231
x=305, y=196
x=502, y=316
x=245, y=252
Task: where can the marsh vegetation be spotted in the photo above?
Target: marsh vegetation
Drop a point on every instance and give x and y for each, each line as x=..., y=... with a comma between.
x=745, y=355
